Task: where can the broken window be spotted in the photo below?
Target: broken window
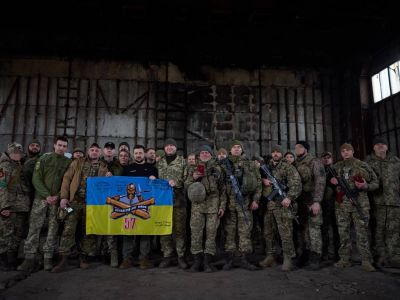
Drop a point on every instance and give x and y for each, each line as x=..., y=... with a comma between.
x=386, y=82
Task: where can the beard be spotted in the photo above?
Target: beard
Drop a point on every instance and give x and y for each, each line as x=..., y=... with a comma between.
x=139, y=161
x=33, y=152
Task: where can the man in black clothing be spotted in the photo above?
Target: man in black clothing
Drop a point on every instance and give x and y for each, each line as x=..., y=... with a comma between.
x=139, y=168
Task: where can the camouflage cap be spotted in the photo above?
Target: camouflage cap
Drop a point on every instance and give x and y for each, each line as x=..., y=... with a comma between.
x=35, y=141
x=346, y=146
x=277, y=148
x=170, y=141
x=236, y=142
x=196, y=192
x=14, y=148
x=222, y=151
x=160, y=153
x=78, y=150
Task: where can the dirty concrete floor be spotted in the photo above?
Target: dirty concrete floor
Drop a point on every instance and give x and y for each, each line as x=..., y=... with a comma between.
x=103, y=282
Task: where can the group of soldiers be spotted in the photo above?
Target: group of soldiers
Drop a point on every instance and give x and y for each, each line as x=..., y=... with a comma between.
x=304, y=206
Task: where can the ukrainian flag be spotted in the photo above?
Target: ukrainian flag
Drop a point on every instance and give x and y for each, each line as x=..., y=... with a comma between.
x=120, y=205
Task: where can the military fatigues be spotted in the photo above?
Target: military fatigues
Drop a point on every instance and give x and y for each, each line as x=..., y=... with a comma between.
x=175, y=171
x=27, y=169
x=74, y=189
x=204, y=215
x=247, y=174
x=47, y=178
x=346, y=212
x=330, y=235
x=278, y=218
x=14, y=196
x=386, y=206
x=313, y=179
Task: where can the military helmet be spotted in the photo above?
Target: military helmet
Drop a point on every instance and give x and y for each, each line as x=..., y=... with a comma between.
x=196, y=192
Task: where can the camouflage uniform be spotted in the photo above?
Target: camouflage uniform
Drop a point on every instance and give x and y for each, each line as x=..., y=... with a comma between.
x=204, y=215
x=47, y=178
x=14, y=196
x=313, y=179
x=175, y=171
x=386, y=206
x=278, y=218
x=234, y=217
x=27, y=169
x=346, y=212
x=74, y=189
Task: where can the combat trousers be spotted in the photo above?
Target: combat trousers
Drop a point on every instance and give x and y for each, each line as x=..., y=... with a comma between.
x=343, y=219
x=39, y=212
x=235, y=225
x=198, y=222
x=387, y=231
x=178, y=237
x=12, y=231
x=68, y=237
x=128, y=245
x=309, y=231
x=279, y=221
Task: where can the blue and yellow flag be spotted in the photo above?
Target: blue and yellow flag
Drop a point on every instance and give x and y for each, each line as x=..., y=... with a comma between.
x=120, y=205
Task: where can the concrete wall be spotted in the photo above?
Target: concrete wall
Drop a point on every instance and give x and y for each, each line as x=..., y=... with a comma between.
x=119, y=101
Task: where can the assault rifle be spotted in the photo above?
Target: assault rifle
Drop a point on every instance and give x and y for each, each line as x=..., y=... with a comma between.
x=278, y=190
x=236, y=187
x=351, y=194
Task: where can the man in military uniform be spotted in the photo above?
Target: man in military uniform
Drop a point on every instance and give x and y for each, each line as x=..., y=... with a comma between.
x=386, y=204
x=279, y=217
x=14, y=205
x=222, y=153
x=207, y=207
x=171, y=168
x=239, y=221
x=34, y=149
x=73, y=195
x=360, y=177
x=330, y=235
x=47, y=178
x=313, y=180
x=77, y=153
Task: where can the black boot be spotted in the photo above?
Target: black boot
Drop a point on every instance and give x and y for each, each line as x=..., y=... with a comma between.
x=208, y=267
x=197, y=263
x=182, y=263
x=228, y=261
x=246, y=264
x=314, y=261
x=4, y=262
x=12, y=260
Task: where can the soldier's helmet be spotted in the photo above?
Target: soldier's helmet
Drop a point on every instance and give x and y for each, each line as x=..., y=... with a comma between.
x=196, y=192
x=131, y=189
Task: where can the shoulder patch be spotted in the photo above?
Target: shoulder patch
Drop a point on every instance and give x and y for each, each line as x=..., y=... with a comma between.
x=37, y=165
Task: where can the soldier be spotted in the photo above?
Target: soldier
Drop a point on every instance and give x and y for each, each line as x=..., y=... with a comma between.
x=313, y=180
x=14, y=205
x=151, y=156
x=386, y=204
x=171, y=168
x=330, y=235
x=206, y=190
x=116, y=169
x=191, y=160
x=359, y=176
x=222, y=153
x=73, y=195
x=290, y=157
x=47, y=178
x=279, y=219
x=77, y=153
x=139, y=168
x=239, y=219
x=34, y=149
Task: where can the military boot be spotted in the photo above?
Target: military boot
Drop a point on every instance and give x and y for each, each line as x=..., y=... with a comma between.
x=28, y=264
x=114, y=259
x=314, y=261
x=4, y=266
x=12, y=260
x=208, y=267
x=83, y=262
x=287, y=263
x=145, y=263
x=62, y=265
x=268, y=262
x=343, y=263
x=166, y=262
x=182, y=263
x=197, y=263
x=246, y=264
x=367, y=266
x=228, y=261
